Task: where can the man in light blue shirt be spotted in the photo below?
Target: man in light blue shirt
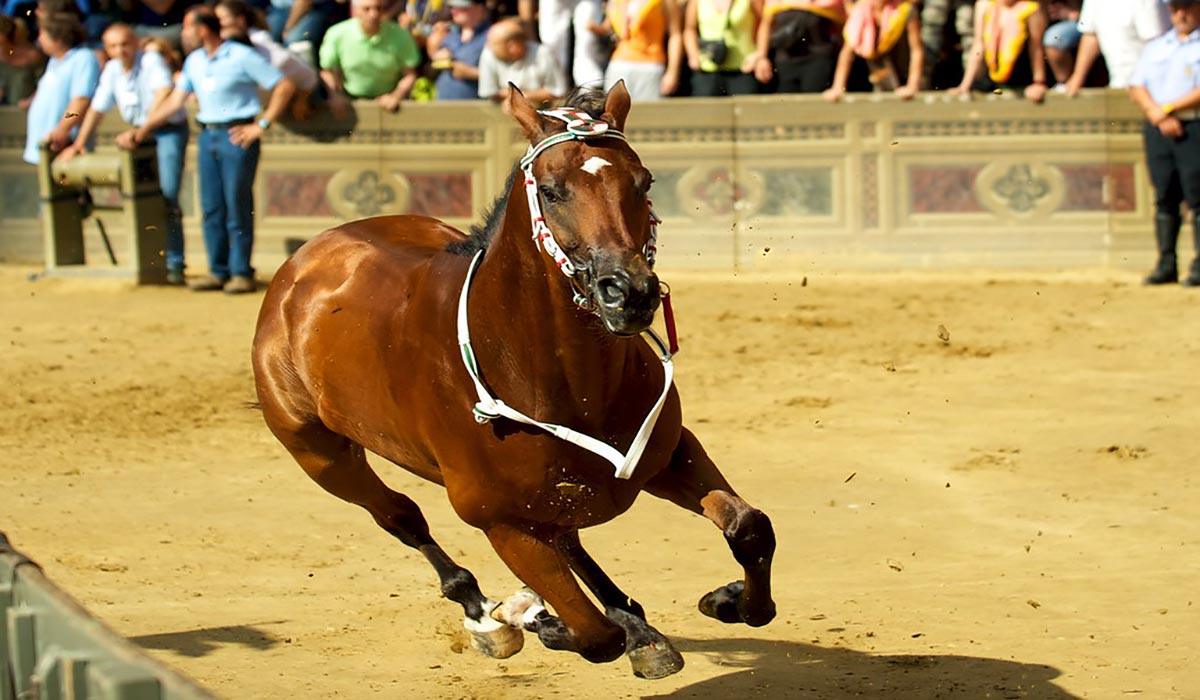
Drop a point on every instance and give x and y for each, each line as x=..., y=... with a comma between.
x=1166, y=85
x=135, y=82
x=225, y=76
x=65, y=89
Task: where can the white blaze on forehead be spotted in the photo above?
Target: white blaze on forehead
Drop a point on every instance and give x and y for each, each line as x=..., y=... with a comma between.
x=593, y=165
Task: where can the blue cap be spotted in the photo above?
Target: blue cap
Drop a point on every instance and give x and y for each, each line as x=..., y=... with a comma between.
x=1181, y=2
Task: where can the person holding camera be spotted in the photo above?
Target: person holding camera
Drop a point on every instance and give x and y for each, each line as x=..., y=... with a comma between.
x=798, y=44
x=719, y=37
x=887, y=35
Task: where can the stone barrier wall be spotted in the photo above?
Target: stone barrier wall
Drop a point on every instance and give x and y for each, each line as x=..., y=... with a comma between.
x=51, y=647
x=776, y=183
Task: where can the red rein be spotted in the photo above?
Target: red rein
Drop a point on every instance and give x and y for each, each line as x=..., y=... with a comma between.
x=669, y=319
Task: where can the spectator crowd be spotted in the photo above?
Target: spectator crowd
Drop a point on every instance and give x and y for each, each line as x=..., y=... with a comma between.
x=389, y=51
x=70, y=61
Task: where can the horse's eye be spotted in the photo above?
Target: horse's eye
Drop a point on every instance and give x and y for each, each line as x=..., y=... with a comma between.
x=550, y=194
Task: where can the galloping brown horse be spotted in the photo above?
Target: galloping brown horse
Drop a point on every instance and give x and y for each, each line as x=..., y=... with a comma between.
x=368, y=340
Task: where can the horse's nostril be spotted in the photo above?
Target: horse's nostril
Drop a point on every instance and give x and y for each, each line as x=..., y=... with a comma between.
x=612, y=290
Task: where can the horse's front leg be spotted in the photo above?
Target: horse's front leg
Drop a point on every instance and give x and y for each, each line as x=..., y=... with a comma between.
x=598, y=582
x=580, y=627
x=650, y=653
x=693, y=482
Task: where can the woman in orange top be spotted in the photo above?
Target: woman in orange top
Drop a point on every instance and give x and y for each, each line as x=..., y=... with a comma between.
x=798, y=43
x=641, y=29
x=1008, y=37
x=887, y=35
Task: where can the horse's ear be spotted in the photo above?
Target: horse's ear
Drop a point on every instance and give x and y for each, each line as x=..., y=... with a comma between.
x=616, y=105
x=526, y=114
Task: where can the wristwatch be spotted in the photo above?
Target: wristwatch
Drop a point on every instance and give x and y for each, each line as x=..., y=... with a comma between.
x=264, y=124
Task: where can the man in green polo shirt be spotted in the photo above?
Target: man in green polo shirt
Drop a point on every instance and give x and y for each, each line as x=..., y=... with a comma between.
x=368, y=57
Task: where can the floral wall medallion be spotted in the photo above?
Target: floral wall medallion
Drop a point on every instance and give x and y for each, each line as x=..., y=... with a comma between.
x=1020, y=189
x=355, y=193
x=717, y=191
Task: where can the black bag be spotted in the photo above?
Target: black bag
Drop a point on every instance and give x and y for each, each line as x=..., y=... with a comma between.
x=801, y=33
x=715, y=50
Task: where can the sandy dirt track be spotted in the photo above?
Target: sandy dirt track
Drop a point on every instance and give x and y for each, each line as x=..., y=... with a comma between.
x=984, y=486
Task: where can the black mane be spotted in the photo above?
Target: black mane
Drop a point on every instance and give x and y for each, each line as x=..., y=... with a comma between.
x=590, y=100
x=481, y=233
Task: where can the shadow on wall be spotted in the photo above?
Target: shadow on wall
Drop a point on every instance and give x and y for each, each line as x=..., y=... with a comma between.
x=785, y=670
x=204, y=641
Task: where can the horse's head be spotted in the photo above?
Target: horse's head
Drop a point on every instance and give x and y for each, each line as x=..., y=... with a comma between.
x=591, y=190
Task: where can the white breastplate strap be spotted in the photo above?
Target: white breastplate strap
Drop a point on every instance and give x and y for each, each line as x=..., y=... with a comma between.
x=489, y=407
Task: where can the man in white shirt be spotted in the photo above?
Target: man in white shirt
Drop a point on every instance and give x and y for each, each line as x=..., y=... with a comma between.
x=1116, y=29
x=510, y=57
x=562, y=26
x=135, y=82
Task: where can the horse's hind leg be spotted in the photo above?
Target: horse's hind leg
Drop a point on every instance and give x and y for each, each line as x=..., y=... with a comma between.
x=694, y=482
x=340, y=466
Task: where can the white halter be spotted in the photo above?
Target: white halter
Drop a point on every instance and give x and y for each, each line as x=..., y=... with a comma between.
x=580, y=126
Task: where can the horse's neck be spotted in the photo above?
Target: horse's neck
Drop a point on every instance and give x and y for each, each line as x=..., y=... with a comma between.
x=528, y=321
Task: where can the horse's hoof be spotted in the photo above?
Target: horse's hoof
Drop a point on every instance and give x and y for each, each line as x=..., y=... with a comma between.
x=520, y=610
x=494, y=638
x=650, y=653
x=655, y=660
x=722, y=604
x=727, y=605
x=759, y=618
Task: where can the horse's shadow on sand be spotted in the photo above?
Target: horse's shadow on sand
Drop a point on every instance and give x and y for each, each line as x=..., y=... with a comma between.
x=762, y=668
x=777, y=669
x=205, y=640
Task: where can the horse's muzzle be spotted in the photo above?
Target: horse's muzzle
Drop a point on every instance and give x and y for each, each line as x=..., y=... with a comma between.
x=627, y=302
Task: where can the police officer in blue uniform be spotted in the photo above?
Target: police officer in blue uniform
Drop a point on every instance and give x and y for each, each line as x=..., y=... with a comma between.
x=1166, y=85
x=225, y=76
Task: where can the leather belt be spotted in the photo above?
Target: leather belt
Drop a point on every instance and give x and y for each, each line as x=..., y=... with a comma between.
x=225, y=125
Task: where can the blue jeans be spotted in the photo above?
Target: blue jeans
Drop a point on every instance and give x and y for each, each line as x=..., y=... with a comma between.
x=227, y=200
x=1063, y=35
x=172, y=145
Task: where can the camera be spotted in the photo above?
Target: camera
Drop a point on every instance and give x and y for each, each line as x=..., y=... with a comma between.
x=714, y=50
